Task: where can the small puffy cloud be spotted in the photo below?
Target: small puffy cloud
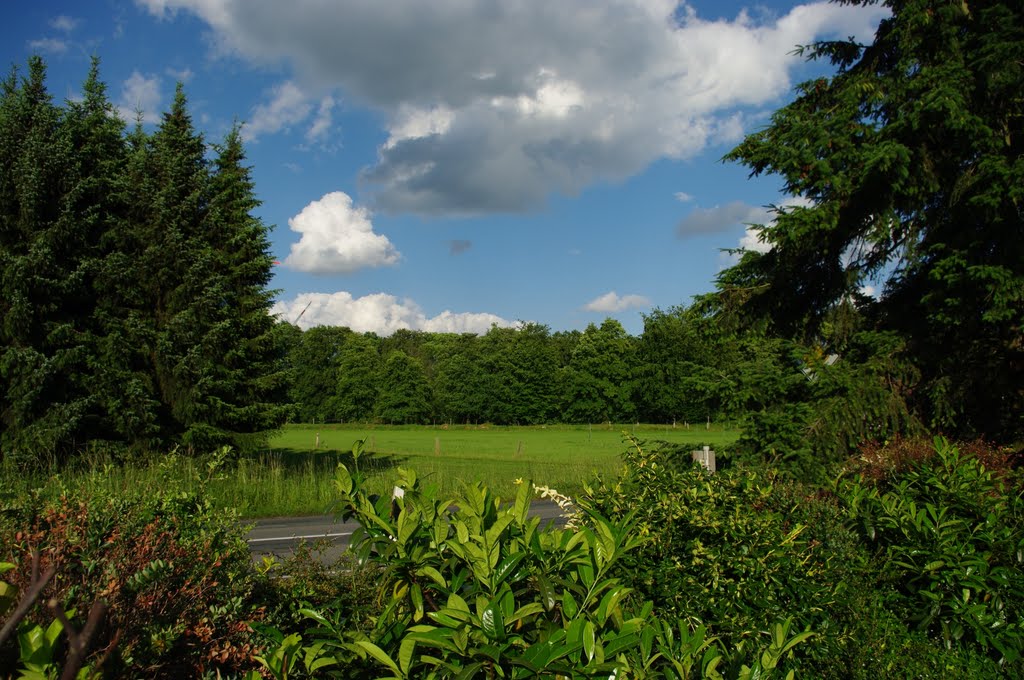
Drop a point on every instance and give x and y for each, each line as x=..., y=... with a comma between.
x=288, y=106
x=379, y=313
x=720, y=218
x=337, y=238
x=48, y=45
x=683, y=197
x=751, y=240
x=64, y=23
x=181, y=75
x=611, y=302
x=459, y=246
x=140, y=94
x=321, y=127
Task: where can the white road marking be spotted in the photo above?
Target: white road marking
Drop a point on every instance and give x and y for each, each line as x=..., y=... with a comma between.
x=293, y=537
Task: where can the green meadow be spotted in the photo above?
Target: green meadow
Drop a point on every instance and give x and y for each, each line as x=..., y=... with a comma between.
x=294, y=477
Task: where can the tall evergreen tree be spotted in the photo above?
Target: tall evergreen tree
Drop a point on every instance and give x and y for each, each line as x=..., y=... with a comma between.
x=242, y=388
x=912, y=157
x=44, y=258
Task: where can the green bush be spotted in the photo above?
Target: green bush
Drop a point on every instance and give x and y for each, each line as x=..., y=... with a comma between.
x=472, y=587
x=176, y=575
x=949, y=540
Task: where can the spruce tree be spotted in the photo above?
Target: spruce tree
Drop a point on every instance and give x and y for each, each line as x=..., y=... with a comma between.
x=245, y=384
x=44, y=259
x=912, y=158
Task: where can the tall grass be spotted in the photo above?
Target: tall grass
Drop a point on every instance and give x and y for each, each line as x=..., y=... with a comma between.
x=294, y=478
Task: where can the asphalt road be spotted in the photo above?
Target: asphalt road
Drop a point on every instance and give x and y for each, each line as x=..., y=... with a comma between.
x=280, y=536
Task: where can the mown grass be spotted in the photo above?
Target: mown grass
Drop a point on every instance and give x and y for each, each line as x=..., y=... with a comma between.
x=294, y=477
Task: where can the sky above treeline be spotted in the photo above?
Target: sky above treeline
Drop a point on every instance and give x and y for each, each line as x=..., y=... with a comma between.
x=446, y=165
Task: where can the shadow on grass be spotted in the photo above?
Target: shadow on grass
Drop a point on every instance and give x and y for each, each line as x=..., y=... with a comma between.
x=300, y=460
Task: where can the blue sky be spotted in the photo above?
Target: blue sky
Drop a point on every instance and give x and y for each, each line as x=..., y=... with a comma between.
x=450, y=164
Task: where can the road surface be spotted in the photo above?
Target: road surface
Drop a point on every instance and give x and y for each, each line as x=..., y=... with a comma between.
x=280, y=536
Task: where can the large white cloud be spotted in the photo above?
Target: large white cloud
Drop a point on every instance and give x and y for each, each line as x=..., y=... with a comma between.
x=337, y=238
x=612, y=302
x=492, y=106
x=378, y=313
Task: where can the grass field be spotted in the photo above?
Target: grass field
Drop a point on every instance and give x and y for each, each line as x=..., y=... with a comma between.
x=294, y=477
x=562, y=457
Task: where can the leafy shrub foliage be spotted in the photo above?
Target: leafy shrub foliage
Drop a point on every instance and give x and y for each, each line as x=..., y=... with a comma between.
x=472, y=587
x=949, y=540
x=890, y=587
x=718, y=546
x=176, y=576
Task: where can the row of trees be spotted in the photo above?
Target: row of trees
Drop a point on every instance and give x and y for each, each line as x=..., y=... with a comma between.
x=797, y=401
x=132, y=281
x=525, y=375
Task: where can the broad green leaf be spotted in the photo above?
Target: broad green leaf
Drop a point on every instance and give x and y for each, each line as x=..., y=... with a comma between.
x=569, y=606
x=547, y=593
x=433, y=574
x=342, y=480
x=416, y=594
x=405, y=654
x=456, y=602
x=610, y=602
x=526, y=610
x=379, y=654
x=589, y=635
x=492, y=622
x=522, y=505
x=506, y=567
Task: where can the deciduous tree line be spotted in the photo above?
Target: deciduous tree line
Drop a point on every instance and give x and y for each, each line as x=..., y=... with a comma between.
x=133, y=281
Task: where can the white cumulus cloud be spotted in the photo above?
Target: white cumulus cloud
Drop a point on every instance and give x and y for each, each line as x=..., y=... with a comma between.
x=48, y=45
x=64, y=23
x=336, y=237
x=493, y=107
x=612, y=302
x=378, y=313
x=140, y=94
x=720, y=218
x=321, y=127
x=289, y=105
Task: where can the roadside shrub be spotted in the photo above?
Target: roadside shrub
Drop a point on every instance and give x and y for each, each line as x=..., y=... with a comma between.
x=176, y=575
x=882, y=463
x=308, y=580
x=473, y=587
x=948, y=536
x=725, y=548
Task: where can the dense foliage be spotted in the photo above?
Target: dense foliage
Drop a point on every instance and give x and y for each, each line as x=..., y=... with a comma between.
x=910, y=566
x=684, y=368
x=132, y=281
x=175, y=577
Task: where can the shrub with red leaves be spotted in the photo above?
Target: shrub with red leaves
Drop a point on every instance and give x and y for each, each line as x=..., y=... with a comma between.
x=176, y=575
